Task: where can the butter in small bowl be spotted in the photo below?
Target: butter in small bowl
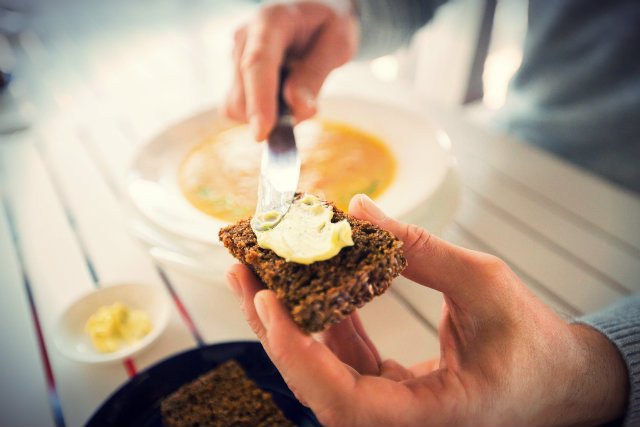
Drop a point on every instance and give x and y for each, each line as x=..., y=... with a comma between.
x=112, y=323
x=115, y=326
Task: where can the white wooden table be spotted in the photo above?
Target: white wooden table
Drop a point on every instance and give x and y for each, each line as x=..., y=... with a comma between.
x=93, y=96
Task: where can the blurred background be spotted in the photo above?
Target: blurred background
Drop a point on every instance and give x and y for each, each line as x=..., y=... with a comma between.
x=85, y=84
x=139, y=59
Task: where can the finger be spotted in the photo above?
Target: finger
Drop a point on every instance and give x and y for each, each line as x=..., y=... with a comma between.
x=307, y=75
x=317, y=375
x=262, y=58
x=301, y=100
x=344, y=340
x=245, y=285
x=431, y=261
x=234, y=106
x=300, y=398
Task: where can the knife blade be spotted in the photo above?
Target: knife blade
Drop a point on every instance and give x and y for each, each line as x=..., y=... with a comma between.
x=279, y=168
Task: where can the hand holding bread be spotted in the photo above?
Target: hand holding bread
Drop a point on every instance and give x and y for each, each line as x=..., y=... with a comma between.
x=506, y=358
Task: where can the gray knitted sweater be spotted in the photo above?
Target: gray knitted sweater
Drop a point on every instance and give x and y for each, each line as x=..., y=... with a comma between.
x=576, y=94
x=621, y=324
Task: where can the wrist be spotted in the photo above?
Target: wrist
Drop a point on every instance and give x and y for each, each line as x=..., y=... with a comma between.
x=598, y=381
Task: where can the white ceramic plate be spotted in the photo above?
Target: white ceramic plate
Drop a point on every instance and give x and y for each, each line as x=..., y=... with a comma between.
x=422, y=152
x=73, y=342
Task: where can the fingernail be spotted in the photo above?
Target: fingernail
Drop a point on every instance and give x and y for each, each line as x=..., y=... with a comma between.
x=254, y=124
x=371, y=208
x=234, y=285
x=262, y=310
x=305, y=98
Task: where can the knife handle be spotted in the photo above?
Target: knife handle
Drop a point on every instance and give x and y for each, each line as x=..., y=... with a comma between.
x=283, y=108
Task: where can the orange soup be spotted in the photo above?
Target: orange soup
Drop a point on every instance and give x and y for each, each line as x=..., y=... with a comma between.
x=220, y=176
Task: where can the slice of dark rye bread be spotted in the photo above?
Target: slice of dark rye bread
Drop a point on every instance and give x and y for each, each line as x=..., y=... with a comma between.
x=222, y=397
x=323, y=293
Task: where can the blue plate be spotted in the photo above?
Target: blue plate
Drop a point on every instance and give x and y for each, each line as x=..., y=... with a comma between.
x=137, y=403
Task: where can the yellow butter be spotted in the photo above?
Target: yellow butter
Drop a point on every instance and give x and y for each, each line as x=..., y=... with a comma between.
x=306, y=234
x=114, y=326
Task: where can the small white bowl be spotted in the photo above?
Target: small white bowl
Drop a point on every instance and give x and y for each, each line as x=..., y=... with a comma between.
x=71, y=339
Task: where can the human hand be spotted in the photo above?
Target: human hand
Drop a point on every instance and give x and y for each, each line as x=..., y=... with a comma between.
x=312, y=38
x=506, y=359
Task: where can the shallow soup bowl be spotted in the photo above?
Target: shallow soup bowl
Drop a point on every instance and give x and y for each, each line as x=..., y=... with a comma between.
x=423, y=190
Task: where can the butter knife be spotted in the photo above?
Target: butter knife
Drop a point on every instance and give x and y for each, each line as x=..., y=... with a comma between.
x=279, y=168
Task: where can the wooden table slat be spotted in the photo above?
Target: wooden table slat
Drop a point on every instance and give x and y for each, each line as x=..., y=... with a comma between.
x=22, y=369
x=527, y=253
x=561, y=186
x=619, y=265
x=58, y=275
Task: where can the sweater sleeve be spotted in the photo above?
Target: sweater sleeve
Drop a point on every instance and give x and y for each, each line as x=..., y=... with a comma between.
x=385, y=25
x=621, y=324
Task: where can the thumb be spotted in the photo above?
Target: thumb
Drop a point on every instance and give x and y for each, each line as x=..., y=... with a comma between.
x=307, y=366
x=431, y=261
x=305, y=81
